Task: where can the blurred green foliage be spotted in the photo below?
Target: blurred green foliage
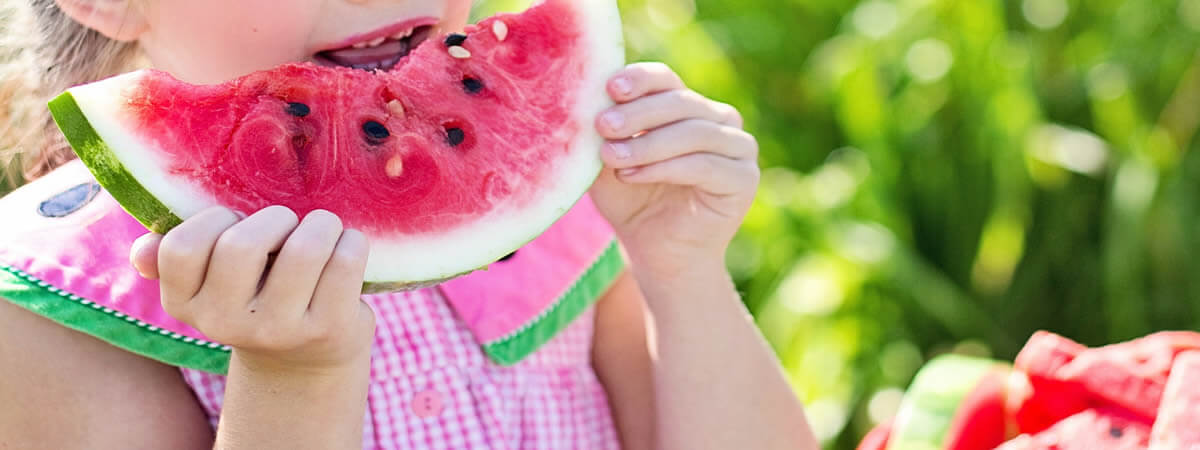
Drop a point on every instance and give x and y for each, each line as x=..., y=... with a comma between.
x=949, y=176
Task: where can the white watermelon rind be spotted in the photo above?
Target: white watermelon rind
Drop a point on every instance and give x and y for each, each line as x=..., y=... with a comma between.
x=121, y=163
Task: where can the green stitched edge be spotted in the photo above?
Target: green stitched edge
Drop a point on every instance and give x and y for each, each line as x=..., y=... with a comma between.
x=110, y=325
x=510, y=349
x=107, y=169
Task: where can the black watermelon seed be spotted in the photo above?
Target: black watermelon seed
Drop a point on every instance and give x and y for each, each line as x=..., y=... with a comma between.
x=1116, y=432
x=375, y=130
x=298, y=109
x=455, y=136
x=472, y=86
x=508, y=256
x=455, y=39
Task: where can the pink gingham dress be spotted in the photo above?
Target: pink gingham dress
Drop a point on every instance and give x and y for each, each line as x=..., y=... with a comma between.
x=465, y=365
x=432, y=387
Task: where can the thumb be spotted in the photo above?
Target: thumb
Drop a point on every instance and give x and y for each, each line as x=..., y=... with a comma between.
x=144, y=255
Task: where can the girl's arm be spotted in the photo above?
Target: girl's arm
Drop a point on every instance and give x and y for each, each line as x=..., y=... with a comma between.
x=681, y=174
x=63, y=389
x=710, y=381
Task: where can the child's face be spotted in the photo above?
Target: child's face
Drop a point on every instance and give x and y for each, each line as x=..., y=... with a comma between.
x=210, y=41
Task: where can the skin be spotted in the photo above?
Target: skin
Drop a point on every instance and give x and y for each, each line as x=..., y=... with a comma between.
x=667, y=333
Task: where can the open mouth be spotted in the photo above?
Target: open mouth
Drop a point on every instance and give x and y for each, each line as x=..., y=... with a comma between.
x=379, y=53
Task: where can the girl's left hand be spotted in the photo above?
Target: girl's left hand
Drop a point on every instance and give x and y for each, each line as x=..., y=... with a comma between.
x=681, y=173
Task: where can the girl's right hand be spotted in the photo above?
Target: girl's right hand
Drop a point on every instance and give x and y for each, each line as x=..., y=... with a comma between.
x=301, y=313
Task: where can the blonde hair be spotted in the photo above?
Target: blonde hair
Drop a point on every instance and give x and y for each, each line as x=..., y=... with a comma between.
x=42, y=53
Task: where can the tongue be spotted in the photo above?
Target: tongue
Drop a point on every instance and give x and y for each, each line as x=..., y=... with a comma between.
x=383, y=52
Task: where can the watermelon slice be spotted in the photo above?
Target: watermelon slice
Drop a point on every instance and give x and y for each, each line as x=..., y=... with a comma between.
x=1092, y=429
x=1178, y=424
x=930, y=409
x=469, y=147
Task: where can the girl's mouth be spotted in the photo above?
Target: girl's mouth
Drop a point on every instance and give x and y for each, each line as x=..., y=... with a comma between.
x=376, y=53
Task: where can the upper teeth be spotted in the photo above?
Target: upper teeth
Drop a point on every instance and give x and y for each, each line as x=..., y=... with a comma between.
x=379, y=40
x=403, y=34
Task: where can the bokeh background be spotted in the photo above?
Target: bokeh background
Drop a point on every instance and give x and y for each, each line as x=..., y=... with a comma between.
x=948, y=176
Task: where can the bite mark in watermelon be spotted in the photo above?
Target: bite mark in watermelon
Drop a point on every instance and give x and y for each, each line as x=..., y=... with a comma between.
x=1178, y=424
x=446, y=163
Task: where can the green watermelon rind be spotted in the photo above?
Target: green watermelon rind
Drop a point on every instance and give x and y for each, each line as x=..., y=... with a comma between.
x=927, y=411
x=107, y=169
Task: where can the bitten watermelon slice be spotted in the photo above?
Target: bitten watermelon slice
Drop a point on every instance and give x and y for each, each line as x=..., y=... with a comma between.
x=470, y=147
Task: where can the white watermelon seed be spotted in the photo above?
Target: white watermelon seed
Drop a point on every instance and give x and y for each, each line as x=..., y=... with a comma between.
x=500, y=29
x=396, y=108
x=459, y=52
x=395, y=166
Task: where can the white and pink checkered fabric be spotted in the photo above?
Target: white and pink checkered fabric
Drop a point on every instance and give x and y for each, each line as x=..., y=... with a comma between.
x=432, y=387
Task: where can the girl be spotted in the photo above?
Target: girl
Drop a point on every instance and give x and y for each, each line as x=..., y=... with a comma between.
x=667, y=358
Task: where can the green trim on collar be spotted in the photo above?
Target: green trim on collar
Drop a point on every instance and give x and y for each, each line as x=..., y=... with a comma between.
x=110, y=325
x=510, y=349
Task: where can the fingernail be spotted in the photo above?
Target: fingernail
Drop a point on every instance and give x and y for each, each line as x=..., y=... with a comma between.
x=614, y=120
x=629, y=171
x=620, y=149
x=623, y=85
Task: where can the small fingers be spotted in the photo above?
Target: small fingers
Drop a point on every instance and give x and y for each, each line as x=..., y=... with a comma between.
x=143, y=255
x=240, y=255
x=654, y=111
x=293, y=277
x=640, y=79
x=336, y=297
x=708, y=172
x=184, y=253
x=677, y=139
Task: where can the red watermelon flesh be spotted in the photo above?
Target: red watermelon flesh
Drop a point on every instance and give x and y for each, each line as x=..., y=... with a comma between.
x=877, y=438
x=1045, y=353
x=1111, y=379
x=980, y=422
x=1092, y=429
x=1038, y=398
x=1178, y=424
x=463, y=152
x=1154, y=354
